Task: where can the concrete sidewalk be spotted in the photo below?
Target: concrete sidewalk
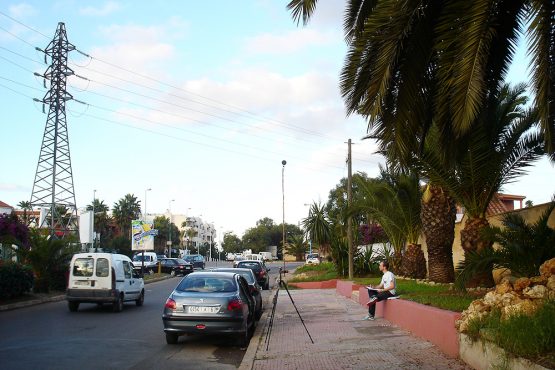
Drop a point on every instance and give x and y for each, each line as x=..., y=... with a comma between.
x=342, y=340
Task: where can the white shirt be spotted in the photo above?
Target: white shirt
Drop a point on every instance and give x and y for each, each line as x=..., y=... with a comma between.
x=388, y=281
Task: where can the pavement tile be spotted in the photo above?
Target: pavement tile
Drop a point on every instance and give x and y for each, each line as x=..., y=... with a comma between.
x=342, y=340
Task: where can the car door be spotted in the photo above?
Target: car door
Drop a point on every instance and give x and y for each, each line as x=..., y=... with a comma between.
x=131, y=285
x=246, y=296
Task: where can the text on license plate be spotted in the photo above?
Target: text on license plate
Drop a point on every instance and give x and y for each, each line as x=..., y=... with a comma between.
x=81, y=283
x=202, y=309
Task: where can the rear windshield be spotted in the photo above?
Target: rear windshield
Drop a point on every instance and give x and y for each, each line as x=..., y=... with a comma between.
x=102, y=267
x=246, y=274
x=206, y=284
x=250, y=265
x=181, y=261
x=83, y=267
x=139, y=258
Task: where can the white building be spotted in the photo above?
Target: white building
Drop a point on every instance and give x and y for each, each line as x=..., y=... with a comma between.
x=203, y=233
x=5, y=208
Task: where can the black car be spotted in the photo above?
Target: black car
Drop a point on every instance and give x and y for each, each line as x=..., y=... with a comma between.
x=260, y=272
x=254, y=287
x=210, y=303
x=175, y=266
x=196, y=259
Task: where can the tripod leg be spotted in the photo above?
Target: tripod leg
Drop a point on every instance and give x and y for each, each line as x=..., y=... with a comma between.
x=272, y=315
x=284, y=284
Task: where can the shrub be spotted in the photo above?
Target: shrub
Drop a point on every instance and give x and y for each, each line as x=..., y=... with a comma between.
x=15, y=279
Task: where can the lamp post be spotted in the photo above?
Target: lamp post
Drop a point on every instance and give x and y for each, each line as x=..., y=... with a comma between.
x=143, y=253
x=144, y=217
x=170, y=228
x=283, y=163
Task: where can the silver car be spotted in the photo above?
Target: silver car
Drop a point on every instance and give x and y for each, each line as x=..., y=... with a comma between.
x=210, y=303
x=254, y=288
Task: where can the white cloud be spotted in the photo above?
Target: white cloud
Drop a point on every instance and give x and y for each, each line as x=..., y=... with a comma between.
x=22, y=10
x=8, y=187
x=107, y=8
x=290, y=41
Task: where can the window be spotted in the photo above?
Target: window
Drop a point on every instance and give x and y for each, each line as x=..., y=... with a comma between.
x=127, y=270
x=206, y=285
x=102, y=267
x=83, y=267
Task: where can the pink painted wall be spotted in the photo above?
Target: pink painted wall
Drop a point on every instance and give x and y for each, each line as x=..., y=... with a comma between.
x=328, y=284
x=344, y=288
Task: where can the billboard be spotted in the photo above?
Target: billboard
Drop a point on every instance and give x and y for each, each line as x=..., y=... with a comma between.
x=143, y=235
x=86, y=220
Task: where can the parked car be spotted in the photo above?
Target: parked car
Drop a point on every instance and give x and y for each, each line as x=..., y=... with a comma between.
x=254, y=288
x=237, y=260
x=210, y=303
x=175, y=266
x=103, y=278
x=313, y=259
x=150, y=261
x=196, y=259
x=260, y=271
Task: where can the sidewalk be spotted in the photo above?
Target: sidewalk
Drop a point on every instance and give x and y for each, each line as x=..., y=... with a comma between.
x=342, y=339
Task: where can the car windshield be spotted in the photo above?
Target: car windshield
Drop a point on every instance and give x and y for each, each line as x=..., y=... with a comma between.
x=181, y=261
x=139, y=258
x=312, y=256
x=190, y=258
x=250, y=265
x=207, y=285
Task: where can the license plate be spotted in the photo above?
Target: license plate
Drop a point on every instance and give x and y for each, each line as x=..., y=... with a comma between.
x=81, y=283
x=202, y=309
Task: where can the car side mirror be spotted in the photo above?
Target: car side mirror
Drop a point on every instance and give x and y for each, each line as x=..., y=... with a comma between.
x=269, y=269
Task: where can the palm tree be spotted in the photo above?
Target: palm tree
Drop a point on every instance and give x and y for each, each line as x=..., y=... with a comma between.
x=394, y=202
x=463, y=48
x=190, y=233
x=126, y=210
x=493, y=155
x=318, y=227
x=297, y=247
x=25, y=206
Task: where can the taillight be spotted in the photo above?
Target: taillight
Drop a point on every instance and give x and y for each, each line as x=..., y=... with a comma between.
x=170, y=303
x=234, y=304
x=252, y=288
x=262, y=273
x=113, y=279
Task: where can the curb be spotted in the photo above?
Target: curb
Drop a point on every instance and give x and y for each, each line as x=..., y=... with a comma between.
x=57, y=298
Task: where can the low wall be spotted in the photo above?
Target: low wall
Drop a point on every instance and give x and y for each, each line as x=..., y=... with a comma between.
x=344, y=288
x=328, y=284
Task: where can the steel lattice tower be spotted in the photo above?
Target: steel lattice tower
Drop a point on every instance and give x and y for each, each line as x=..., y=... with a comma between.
x=53, y=188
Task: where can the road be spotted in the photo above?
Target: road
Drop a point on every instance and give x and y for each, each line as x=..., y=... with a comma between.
x=48, y=336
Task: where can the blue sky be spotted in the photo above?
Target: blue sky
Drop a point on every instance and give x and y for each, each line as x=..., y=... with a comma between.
x=233, y=88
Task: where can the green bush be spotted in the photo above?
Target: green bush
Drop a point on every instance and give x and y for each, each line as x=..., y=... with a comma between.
x=15, y=280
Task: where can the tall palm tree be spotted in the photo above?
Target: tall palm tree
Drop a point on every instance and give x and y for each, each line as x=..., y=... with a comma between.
x=297, y=247
x=465, y=47
x=25, y=206
x=318, y=227
x=126, y=210
x=394, y=202
x=493, y=155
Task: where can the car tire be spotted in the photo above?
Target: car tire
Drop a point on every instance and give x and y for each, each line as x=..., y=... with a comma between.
x=258, y=314
x=139, y=302
x=117, y=306
x=171, y=338
x=73, y=306
x=244, y=337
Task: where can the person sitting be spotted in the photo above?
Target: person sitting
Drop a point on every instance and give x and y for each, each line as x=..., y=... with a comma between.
x=385, y=290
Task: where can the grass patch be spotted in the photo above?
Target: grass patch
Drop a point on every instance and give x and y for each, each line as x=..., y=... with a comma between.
x=432, y=295
x=148, y=277
x=532, y=337
x=322, y=272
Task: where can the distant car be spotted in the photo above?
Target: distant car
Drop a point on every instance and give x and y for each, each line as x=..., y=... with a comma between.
x=150, y=261
x=196, y=259
x=210, y=303
x=175, y=266
x=313, y=259
x=237, y=260
x=255, y=288
x=260, y=271
x=161, y=256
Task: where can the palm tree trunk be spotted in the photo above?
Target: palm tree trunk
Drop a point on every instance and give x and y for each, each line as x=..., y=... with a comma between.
x=438, y=215
x=472, y=241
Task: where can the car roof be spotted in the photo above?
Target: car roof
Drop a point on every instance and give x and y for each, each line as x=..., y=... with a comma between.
x=211, y=274
x=231, y=269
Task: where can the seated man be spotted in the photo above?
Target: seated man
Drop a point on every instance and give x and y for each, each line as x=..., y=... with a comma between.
x=383, y=291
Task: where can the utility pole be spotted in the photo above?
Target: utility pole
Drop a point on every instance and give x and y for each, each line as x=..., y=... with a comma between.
x=53, y=186
x=349, y=203
x=283, y=163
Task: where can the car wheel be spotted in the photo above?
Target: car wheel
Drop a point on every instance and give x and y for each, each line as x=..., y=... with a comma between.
x=117, y=306
x=171, y=338
x=139, y=302
x=244, y=337
x=73, y=306
x=258, y=314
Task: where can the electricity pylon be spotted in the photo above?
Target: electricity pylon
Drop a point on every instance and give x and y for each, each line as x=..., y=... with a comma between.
x=53, y=190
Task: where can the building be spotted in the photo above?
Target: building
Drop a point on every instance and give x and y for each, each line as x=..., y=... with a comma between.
x=201, y=234
x=5, y=208
x=500, y=203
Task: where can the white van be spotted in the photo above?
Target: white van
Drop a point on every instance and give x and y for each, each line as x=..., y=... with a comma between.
x=254, y=257
x=151, y=261
x=103, y=278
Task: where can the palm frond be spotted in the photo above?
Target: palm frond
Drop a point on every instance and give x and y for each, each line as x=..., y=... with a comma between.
x=302, y=10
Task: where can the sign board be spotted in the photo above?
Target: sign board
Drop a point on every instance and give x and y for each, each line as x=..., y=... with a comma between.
x=86, y=220
x=143, y=235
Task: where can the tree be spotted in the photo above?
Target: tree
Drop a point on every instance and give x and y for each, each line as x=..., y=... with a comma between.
x=25, y=206
x=13, y=231
x=297, y=247
x=232, y=243
x=493, y=155
x=190, y=233
x=126, y=210
x=164, y=227
x=318, y=227
x=102, y=221
x=528, y=204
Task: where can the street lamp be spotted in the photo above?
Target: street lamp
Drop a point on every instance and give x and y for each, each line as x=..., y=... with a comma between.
x=144, y=217
x=283, y=163
x=170, y=228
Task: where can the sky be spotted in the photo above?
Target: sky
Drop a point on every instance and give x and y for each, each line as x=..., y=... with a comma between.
x=199, y=102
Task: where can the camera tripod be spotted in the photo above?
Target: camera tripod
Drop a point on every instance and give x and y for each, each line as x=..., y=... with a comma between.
x=282, y=284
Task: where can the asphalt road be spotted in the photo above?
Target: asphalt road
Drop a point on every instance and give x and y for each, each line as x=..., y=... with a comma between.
x=48, y=336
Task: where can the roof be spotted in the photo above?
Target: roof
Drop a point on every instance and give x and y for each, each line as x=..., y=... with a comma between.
x=496, y=206
x=511, y=196
x=5, y=205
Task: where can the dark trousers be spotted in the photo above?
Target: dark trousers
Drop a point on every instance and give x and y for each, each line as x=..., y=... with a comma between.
x=381, y=296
